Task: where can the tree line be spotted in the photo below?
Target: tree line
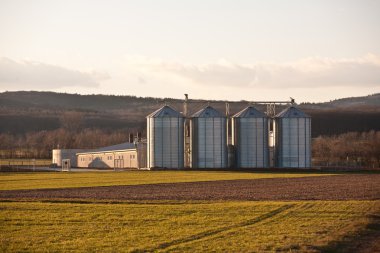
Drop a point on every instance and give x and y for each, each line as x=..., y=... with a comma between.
x=357, y=149
x=39, y=144
x=348, y=149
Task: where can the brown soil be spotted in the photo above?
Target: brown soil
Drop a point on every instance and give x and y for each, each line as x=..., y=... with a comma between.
x=340, y=187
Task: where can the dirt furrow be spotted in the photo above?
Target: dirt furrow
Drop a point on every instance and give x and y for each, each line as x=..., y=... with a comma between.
x=340, y=187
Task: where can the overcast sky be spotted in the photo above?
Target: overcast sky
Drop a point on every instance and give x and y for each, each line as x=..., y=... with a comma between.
x=253, y=50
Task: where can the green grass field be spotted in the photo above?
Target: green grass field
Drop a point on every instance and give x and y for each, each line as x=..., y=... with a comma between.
x=16, y=181
x=189, y=227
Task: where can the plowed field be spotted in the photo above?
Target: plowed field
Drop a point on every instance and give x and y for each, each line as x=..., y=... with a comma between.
x=339, y=187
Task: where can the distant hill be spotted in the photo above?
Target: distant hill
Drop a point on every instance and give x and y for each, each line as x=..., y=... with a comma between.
x=370, y=102
x=52, y=100
x=26, y=111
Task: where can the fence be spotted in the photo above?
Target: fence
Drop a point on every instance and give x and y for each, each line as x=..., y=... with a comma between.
x=25, y=162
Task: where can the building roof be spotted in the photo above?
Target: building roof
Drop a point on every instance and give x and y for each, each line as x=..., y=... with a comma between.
x=117, y=147
x=292, y=112
x=165, y=111
x=121, y=146
x=250, y=112
x=207, y=112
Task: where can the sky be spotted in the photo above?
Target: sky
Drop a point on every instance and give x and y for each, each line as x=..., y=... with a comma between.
x=313, y=51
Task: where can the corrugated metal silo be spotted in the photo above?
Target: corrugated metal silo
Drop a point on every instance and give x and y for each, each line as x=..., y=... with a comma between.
x=293, y=139
x=165, y=139
x=250, y=138
x=208, y=139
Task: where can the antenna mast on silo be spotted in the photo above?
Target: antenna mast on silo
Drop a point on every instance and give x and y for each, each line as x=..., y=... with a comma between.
x=227, y=109
x=185, y=105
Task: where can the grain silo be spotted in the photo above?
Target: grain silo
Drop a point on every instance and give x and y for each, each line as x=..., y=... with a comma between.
x=292, y=139
x=165, y=139
x=208, y=139
x=250, y=138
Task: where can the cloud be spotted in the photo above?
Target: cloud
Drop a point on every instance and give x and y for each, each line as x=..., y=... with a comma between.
x=37, y=75
x=304, y=73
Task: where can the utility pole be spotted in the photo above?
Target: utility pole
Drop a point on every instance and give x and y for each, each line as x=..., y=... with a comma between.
x=186, y=132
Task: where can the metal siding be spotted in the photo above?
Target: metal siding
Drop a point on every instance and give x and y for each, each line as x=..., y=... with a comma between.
x=157, y=143
x=251, y=142
x=302, y=142
x=209, y=143
x=308, y=143
x=165, y=142
x=194, y=142
x=293, y=142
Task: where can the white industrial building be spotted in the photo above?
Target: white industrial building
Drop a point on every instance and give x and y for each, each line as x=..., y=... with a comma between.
x=66, y=154
x=124, y=155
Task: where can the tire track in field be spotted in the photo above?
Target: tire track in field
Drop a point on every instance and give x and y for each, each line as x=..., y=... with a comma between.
x=281, y=216
x=205, y=234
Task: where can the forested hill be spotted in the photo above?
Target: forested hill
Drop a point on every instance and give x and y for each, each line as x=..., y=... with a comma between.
x=370, y=102
x=29, y=111
x=52, y=100
x=58, y=101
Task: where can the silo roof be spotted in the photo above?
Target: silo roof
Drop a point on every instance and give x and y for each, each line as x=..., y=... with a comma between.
x=165, y=111
x=292, y=112
x=207, y=112
x=250, y=112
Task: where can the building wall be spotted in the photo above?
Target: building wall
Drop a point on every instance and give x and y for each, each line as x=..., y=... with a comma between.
x=127, y=159
x=59, y=154
x=109, y=159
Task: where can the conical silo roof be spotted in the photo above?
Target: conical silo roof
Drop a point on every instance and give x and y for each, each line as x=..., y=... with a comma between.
x=207, y=112
x=292, y=112
x=250, y=112
x=165, y=111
